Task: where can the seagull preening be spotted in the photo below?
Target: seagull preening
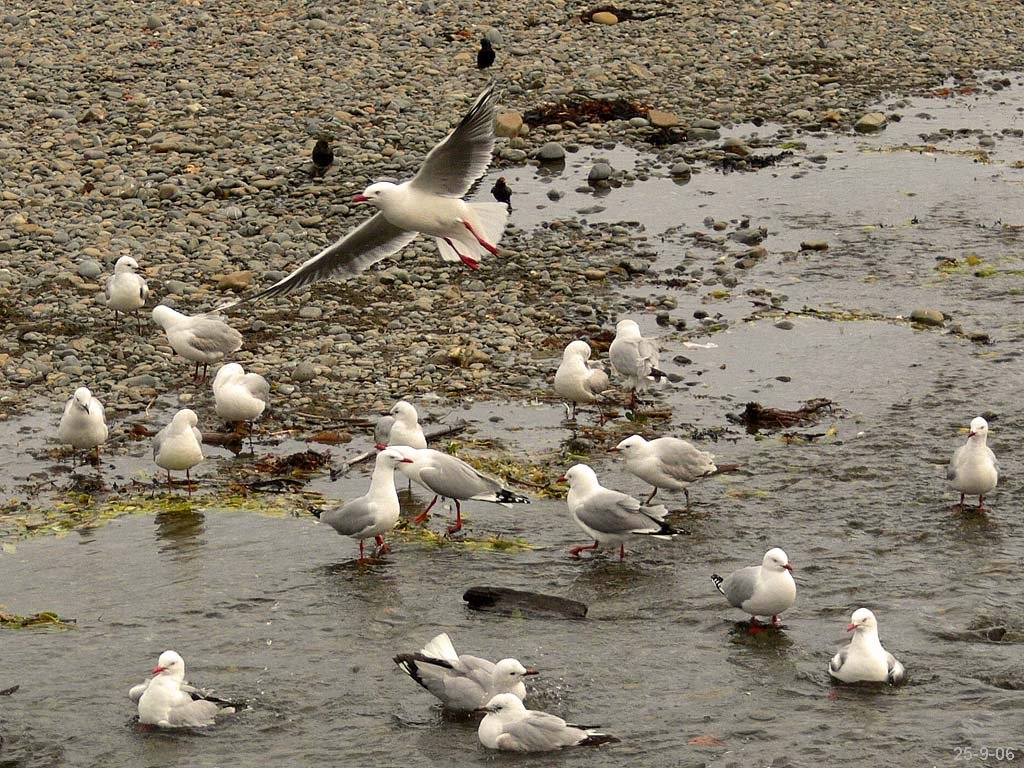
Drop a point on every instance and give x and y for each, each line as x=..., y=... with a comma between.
x=203, y=339
x=449, y=477
x=577, y=379
x=864, y=659
x=167, y=701
x=666, y=462
x=375, y=512
x=634, y=358
x=462, y=683
x=240, y=397
x=611, y=517
x=767, y=589
x=430, y=203
x=126, y=291
x=511, y=727
x=83, y=424
x=973, y=470
x=179, y=445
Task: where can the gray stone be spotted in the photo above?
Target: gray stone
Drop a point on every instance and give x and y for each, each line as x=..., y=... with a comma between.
x=89, y=269
x=872, y=122
x=551, y=152
x=599, y=172
x=926, y=316
x=303, y=372
x=681, y=169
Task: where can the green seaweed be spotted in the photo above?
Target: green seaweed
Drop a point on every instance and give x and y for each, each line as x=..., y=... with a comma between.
x=41, y=620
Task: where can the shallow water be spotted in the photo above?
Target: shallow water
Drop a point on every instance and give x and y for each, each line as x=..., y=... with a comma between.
x=271, y=609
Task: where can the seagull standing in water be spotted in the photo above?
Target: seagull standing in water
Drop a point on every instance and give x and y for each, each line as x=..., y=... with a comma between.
x=83, y=424
x=973, y=469
x=666, y=462
x=125, y=290
x=239, y=396
x=577, y=379
x=767, y=589
x=179, y=445
x=430, y=203
x=634, y=358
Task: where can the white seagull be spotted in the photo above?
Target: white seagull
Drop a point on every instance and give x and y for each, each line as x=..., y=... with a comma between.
x=462, y=683
x=449, y=477
x=404, y=427
x=179, y=445
x=767, y=589
x=666, y=462
x=864, y=659
x=239, y=396
x=578, y=380
x=166, y=700
x=511, y=727
x=83, y=424
x=430, y=203
x=610, y=517
x=973, y=469
x=634, y=357
x=374, y=513
x=126, y=291
x=203, y=339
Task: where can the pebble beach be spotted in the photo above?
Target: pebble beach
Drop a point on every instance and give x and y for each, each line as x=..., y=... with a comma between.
x=180, y=135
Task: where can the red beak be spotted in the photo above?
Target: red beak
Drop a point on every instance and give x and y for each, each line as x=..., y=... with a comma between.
x=380, y=446
x=788, y=567
x=158, y=670
x=406, y=461
x=360, y=199
x=531, y=671
x=971, y=434
x=561, y=480
x=851, y=628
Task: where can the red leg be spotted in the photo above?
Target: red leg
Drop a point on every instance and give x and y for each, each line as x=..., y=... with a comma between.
x=981, y=499
x=382, y=547
x=469, y=261
x=622, y=552
x=575, y=551
x=458, y=518
x=362, y=552
x=687, y=492
x=188, y=482
x=423, y=515
x=169, y=483
x=491, y=249
x=775, y=620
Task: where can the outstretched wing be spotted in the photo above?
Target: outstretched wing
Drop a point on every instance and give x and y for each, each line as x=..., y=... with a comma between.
x=452, y=166
x=374, y=239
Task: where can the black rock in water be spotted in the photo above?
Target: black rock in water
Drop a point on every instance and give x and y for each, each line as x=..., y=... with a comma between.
x=502, y=193
x=509, y=602
x=485, y=56
x=323, y=156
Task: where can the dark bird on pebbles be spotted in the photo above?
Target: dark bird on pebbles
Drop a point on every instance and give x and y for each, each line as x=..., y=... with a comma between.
x=502, y=193
x=323, y=156
x=485, y=56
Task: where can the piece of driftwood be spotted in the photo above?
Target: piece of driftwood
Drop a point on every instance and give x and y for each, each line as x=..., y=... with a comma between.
x=508, y=602
x=755, y=416
x=9, y=691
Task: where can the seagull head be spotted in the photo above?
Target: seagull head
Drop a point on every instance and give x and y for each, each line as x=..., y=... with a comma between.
x=185, y=418
x=978, y=427
x=579, y=475
x=227, y=371
x=405, y=412
x=164, y=316
x=862, y=620
x=170, y=664
x=503, y=703
x=376, y=193
x=509, y=672
x=126, y=264
x=578, y=348
x=631, y=444
x=393, y=455
x=627, y=329
x=83, y=397
x=776, y=560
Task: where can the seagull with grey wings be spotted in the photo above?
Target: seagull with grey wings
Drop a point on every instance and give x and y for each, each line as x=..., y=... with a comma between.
x=429, y=203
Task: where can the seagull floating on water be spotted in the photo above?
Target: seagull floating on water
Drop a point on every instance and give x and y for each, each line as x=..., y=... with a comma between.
x=767, y=589
x=577, y=379
x=167, y=701
x=462, y=683
x=449, y=477
x=430, y=203
x=864, y=659
x=126, y=291
x=973, y=469
x=203, y=339
x=611, y=517
x=634, y=357
x=83, y=424
x=239, y=396
x=511, y=727
x=179, y=445
x=374, y=513
x=666, y=462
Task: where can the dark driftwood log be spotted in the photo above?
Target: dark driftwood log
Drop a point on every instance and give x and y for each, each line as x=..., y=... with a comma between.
x=512, y=601
x=756, y=416
x=9, y=691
